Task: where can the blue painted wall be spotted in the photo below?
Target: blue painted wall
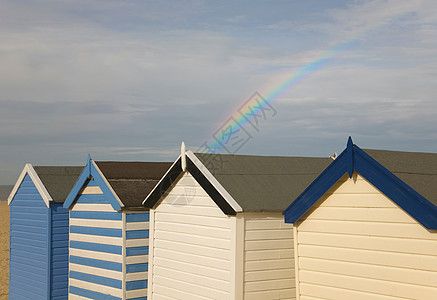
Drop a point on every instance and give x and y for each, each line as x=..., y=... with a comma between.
x=38, y=246
x=95, y=254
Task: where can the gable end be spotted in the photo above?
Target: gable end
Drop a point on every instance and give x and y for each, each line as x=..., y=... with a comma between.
x=355, y=159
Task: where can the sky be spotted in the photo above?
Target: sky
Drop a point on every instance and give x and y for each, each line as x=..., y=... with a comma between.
x=131, y=80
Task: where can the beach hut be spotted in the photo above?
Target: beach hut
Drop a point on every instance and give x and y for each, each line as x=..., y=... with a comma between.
x=38, y=261
x=109, y=229
x=216, y=228
x=366, y=228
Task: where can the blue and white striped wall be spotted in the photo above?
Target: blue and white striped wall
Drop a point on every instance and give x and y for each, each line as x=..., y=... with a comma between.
x=38, y=243
x=108, y=248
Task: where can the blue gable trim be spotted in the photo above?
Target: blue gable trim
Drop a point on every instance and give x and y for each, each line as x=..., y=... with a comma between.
x=90, y=171
x=354, y=159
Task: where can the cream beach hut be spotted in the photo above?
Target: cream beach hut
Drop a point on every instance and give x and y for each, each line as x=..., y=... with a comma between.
x=109, y=229
x=216, y=228
x=366, y=228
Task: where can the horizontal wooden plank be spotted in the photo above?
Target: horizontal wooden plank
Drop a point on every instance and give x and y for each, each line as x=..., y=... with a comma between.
x=96, y=247
x=135, y=294
x=394, y=259
x=269, y=274
x=95, y=215
x=285, y=294
x=269, y=244
x=138, y=259
x=80, y=293
x=198, y=230
x=193, y=239
x=326, y=292
x=205, y=286
x=368, y=285
x=96, y=287
x=97, y=255
x=267, y=285
x=273, y=264
x=192, y=267
x=93, y=207
x=192, y=249
x=201, y=199
x=357, y=200
x=181, y=190
x=96, y=271
x=404, y=245
x=402, y=275
x=355, y=186
x=97, y=223
x=96, y=239
x=137, y=225
x=210, y=262
x=136, y=276
x=191, y=210
x=400, y=230
x=137, y=242
x=264, y=224
x=275, y=234
x=167, y=288
x=379, y=214
x=191, y=219
x=269, y=254
x=89, y=190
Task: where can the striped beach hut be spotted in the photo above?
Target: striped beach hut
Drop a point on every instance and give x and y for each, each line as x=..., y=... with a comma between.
x=217, y=230
x=109, y=229
x=38, y=258
x=366, y=228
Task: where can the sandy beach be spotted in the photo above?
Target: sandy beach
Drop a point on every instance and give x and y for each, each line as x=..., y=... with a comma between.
x=4, y=250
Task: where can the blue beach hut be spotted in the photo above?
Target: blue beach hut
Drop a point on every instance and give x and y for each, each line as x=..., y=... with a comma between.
x=39, y=233
x=109, y=229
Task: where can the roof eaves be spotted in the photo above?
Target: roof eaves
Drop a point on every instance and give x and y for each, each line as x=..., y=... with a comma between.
x=164, y=184
x=355, y=159
x=28, y=169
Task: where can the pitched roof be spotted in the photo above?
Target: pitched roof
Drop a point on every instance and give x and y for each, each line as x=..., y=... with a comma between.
x=264, y=183
x=417, y=169
x=58, y=180
x=52, y=182
x=132, y=181
x=255, y=183
x=407, y=178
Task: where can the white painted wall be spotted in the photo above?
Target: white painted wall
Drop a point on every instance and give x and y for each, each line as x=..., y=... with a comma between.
x=355, y=243
x=268, y=259
x=192, y=249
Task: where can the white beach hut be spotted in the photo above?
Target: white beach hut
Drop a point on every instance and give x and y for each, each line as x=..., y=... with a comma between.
x=216, y=228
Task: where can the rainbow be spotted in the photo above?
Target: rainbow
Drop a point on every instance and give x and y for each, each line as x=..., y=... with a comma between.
x=239, y=118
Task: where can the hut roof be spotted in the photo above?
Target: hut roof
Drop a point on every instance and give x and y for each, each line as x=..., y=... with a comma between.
x=407, y=178
x=132, y=181
x=263, y=183
x=52, y=182
x=58, y=180
x=417, y=169
x=245, y=182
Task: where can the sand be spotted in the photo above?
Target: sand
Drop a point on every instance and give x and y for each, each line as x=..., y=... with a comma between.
x=4, y=250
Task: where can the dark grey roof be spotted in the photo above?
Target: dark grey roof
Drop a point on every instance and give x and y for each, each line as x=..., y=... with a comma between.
x=58, y=180
x=263, y=183
x=416, y=169
x=133, y=181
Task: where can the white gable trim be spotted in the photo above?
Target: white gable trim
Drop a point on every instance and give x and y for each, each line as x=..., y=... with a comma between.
x=28, y=169
x=237, y=208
